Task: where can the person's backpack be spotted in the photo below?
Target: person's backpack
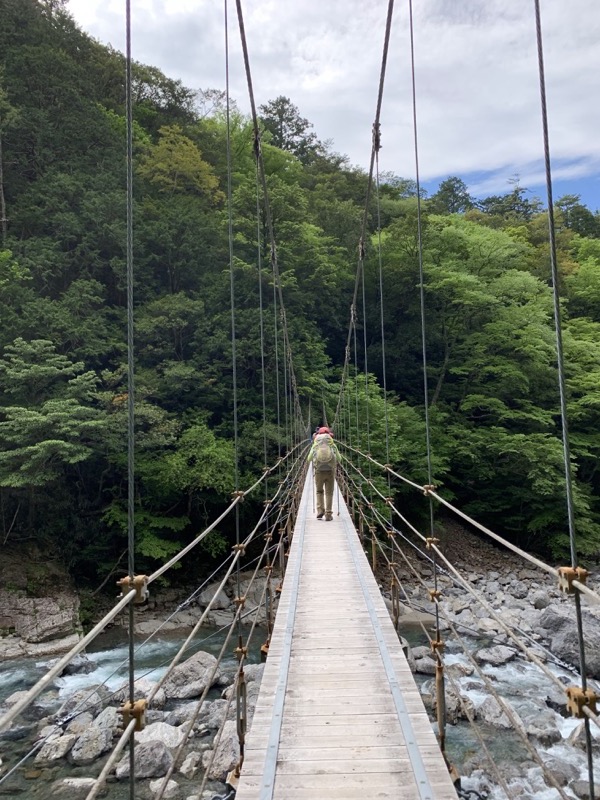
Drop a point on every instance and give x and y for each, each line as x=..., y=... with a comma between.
x=324, y=457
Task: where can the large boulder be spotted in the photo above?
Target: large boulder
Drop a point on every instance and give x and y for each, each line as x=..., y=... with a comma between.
x=190, y=678
x=151, y=760
x=161, y=732
x=495, y=656
x=91, y=745
x=55, y=748
x=558, y=623
x=220, y=601
x=226, y=756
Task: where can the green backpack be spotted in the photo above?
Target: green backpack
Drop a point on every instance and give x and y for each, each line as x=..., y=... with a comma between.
x=324, y=457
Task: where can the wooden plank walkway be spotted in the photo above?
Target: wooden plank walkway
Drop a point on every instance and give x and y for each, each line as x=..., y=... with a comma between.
x=339, y=715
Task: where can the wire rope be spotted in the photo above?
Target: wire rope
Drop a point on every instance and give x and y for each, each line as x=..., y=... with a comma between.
x=561, y=373
x=268, y=216
x=130, y=374
x=363, y=232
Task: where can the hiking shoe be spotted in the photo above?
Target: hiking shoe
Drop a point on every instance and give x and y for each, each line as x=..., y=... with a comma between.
x=320, y=516
x=328, y=517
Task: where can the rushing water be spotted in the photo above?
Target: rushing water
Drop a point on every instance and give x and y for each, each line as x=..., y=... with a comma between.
x=110, y=655
x=520, y=683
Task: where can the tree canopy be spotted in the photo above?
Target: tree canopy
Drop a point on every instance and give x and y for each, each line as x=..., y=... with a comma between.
x=489, y=326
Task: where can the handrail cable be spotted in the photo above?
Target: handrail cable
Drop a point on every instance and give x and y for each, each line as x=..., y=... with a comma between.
x=561, y=377
x=240, y=496
x=466, y=585
x=386, y=528
x=234, y=689
x=54, y=671
x=239, y=549
x=589, y=593
x=130, y=374
x=98, y=786
x=237, y=619
x=464, y=706
x=35, y=690
x=82, y=707
x=363, y=230
x=502, y=703
x=506, y=708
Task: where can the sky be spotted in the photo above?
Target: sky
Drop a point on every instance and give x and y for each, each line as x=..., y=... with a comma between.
x=477, y=80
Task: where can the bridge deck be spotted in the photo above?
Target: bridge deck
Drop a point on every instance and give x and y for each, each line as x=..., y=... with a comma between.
x=339, y=714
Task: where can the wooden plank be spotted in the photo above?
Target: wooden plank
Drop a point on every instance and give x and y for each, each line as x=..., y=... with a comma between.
x=340, y=734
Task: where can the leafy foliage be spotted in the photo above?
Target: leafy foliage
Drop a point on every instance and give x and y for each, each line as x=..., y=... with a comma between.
x=491, y=364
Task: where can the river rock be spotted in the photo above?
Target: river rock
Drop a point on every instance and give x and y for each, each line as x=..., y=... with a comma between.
x=171, y=789
x=213, y=713
x=36, y=710
x=581, y=790
x=184, y=712
x=495, y=656
x=91, y=744
x=80, y=665
x=562, y=770
x=80, y=723
x=85, y=700
x=151, y=760
x=108, y=720
x=190, y=764
x=577, y=738
x=72, y=788
x=226, y=755
x=542, y=727
x=161, y=732
x=142, y=689
x=15, y=647
x=425, y=665
x=219, y=598
x=191, y=678
x=56, y=747
x=491, y=712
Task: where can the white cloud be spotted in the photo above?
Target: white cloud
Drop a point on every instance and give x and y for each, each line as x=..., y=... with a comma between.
x=477, y=80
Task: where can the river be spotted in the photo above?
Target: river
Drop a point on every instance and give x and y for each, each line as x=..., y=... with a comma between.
x=521, y=683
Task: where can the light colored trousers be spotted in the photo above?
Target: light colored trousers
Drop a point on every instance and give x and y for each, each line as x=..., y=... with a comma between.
x=324, y=483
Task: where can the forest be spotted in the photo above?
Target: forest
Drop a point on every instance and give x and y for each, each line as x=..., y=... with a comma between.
x=491, y=353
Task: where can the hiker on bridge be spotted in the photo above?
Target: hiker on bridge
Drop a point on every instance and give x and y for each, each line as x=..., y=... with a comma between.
x=324, y=456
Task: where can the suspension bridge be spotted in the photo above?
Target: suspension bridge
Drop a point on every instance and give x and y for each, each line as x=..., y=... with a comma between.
x=339, y=714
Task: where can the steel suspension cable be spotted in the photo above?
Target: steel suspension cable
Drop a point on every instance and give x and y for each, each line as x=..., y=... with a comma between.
x=380, y=273
x=363, y=231
x=261, y=324
x=561, y=376
x=267, y=206
x=233, y=330
x=130, y=380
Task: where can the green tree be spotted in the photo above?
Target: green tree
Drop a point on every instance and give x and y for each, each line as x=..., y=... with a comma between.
x=289, y=131
x=452, y=197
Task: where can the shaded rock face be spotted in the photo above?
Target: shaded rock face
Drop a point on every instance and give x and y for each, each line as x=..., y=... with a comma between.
x=39, y=619
x=558, y=624
x=37, y=603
